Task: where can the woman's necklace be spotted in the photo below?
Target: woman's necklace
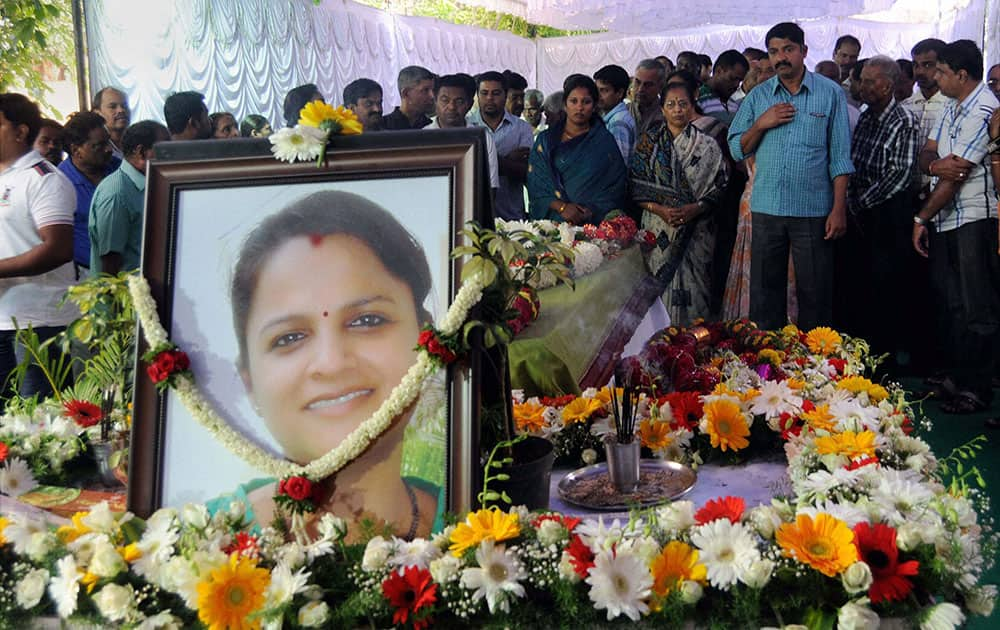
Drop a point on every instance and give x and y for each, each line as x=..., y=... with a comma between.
x=567, y=135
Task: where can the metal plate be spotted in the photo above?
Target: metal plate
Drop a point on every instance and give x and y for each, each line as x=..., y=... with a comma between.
x=659, y=481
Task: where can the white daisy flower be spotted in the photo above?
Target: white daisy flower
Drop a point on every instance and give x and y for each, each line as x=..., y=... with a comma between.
x=899, y=497
x=21, y=529
x=157, y=545
x=16, y=478
x=620, y=584
x=496, y=578
x=852, y=415
x=596, y=536
x=726, y=550
x=284, y=585
x=65, y=587
x=946, y=616
x=847, y=512
x=298, y=143
x=775, y=399
x=415, y=553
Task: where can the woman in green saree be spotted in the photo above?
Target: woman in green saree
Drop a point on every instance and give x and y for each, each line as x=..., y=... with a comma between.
x=678, y=177
x=575, y=171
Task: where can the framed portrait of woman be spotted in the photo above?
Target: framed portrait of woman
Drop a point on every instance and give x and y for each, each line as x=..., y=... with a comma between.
x=298, y=292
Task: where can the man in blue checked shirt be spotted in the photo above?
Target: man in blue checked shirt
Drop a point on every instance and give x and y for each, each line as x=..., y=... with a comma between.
x=795, y=126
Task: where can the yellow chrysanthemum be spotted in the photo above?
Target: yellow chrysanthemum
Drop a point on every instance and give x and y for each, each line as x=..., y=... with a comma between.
x=768, y=355
x=580, y=410
x=4, y=522
x=795, y=383
x=791, y=330
x=336, y=120
x=847, y=443
x=826, y=544
x=655, y=435
x=877, y=393
x=676, y=564
x=820, y=418
x=726, y=425
x=69, y=533
x=604, y=394
x=492, y=524
x=231, y=593
x=859, y=384
x=823, y=340
x=129, y=553
x=529, y=416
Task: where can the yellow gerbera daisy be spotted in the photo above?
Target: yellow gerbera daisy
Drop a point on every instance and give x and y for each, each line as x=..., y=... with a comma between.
x=492, y=524
x=655, y=435
x=727, y=426
x=231, y=593
x=823, y=340
x=847, y=443
x=529, y=416
x=826, y=544
x=676, y=564
x=580, y=410
x=604, y=394
x=69, y=533
x=336, y=120
x=820, y=418
x=4, y=522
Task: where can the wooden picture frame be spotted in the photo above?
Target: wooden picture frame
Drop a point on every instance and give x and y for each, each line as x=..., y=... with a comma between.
x=202, y=198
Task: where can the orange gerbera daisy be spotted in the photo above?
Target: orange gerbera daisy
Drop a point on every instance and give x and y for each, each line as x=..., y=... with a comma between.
x=847, y=443
x=580, y=410
x=726, y=425
x=676, y=564
x=655, y=435
x=826, y=544
x=529, y=417
x=823, y=340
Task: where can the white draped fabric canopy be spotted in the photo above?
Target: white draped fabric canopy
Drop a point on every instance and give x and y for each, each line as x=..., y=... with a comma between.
x=244, y=55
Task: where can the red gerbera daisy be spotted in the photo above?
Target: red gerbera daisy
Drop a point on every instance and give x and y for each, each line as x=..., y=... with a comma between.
x=686, y=409
x=580, y=556
x=411, y=592
x=723, y=507
x=877, y=548
x=3, y=452
x=84, y=413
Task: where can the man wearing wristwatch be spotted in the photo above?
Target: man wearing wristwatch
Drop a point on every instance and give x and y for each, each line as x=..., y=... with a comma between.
x=962, y=246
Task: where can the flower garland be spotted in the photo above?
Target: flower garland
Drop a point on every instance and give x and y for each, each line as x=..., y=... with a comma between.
x=183, y=385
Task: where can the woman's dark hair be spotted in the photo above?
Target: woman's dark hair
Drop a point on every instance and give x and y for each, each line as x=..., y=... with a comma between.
x=296, y=99
x=329, y=213
x=252, y=123
x=217, y=116
x=575, y=81
x=684, y=79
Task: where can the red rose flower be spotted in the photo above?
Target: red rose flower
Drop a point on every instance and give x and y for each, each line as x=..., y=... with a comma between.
x=877, y=548
x=724, y=507
x=181, y=360
x=411, y=592
x=167, y=363
x=297, y=488
x=3, y=451
x=84, y=413
x=425, y=337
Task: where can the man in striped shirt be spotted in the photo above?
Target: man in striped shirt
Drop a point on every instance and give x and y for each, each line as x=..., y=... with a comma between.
x=796, y=126
x=715, y=96
x=962, y=242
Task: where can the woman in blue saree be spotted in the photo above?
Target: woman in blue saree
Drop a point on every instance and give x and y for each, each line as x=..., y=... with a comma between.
x=575, y=171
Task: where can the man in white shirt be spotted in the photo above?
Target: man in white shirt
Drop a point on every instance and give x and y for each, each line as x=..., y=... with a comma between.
x=36, y=239
x=453, y=95
x=928, y=102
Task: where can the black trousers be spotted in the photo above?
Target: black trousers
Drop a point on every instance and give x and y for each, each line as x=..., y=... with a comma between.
x=773, y=239
x=965, y=280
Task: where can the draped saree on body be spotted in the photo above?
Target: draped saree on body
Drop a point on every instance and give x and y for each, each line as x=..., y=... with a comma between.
x=587, y=170
x=676, y=171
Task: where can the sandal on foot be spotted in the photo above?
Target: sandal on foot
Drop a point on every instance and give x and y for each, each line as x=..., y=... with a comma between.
x=964, y=403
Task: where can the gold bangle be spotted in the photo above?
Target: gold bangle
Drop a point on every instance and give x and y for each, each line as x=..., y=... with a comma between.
x=562, y=208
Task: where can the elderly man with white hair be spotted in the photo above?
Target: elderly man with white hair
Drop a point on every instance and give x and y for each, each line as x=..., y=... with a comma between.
x=885, y=149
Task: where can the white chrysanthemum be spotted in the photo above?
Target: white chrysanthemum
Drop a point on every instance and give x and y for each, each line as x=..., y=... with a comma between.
x=847, y=512
x=776, y=398
x=567, y=233
x=298, y=143
x=445, y=569
x=156, y=545
x=415, y=553
x=945, y=616
x=851, y=415
x=620, y=584
x=643, y=547
x=597, y=536
x=676, y=517
x=587, y=258
x=376, y=555
x=726, y=550
x=284, y=585
x=31, y=587
x=115, y=601
x=900, y=498
x=16, y=478
x=65, y=586
x=496, y=578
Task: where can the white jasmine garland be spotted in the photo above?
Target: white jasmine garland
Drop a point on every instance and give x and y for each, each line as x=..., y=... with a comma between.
x=31, y=587
x=354, y=444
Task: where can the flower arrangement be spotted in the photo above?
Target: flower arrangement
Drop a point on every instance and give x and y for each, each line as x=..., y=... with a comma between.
x=307, y=140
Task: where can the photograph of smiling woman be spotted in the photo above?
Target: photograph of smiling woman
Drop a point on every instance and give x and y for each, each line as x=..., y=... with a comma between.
x=327, y=303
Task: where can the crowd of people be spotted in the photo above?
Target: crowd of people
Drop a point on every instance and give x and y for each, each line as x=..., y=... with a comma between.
x=861, y=194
